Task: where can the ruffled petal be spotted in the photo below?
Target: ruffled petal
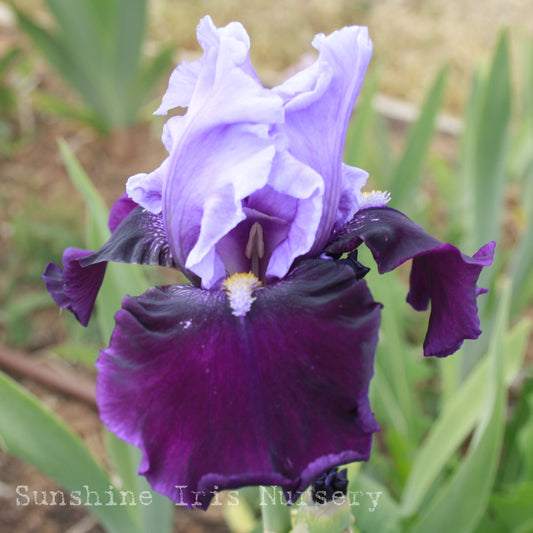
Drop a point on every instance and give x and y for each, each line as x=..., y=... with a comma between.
x=318, y=104
x=210, y=176
x=139, y=239
x=221, y=150
x=217, y=401
x=185, y=80
x=441, y=273
x=304, y=188
x=75, y=288
x=146, y=190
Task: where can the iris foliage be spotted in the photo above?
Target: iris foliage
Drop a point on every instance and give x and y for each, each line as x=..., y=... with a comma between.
x=96, y=47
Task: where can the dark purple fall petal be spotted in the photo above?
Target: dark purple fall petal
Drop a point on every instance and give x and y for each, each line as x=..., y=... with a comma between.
x=441, y=273
x=75, y=288
x=215, y=401
x=120, y=210
x=139, y=239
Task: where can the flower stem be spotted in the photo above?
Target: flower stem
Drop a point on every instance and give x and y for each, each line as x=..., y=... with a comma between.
x=331, y=517
x=275, y=512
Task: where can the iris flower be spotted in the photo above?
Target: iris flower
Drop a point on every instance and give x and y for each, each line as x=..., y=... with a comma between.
x=257, y=372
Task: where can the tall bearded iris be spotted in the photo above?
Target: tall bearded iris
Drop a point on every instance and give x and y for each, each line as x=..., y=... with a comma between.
x=258, y=371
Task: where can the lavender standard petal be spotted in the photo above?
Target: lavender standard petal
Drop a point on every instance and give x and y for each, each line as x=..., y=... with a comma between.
x=221, y=151
x=217, y=401
x=441, y=273
x=300, y=183
x=210, y=175
x=318, y=104
x=184, y=80
x=353, y=180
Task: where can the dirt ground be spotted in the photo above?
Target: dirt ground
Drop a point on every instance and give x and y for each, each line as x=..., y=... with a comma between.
x=412, y=39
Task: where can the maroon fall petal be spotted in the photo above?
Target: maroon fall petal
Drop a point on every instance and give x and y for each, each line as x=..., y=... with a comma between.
x=120, y=210
x=216, y=401
x=139, y=239
x=75, y=288
x=441, y=273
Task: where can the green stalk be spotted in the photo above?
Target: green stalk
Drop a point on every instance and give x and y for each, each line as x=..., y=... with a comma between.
x=332, y=517
x=275, y=513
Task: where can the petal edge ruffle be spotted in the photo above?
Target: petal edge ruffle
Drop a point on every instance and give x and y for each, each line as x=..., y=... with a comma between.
x=216, y=401
x=139, y=239
x=440, y=273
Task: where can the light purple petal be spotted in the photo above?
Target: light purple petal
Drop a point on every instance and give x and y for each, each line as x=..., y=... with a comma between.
x=147, y=189
x=353, y=180
x=221, y=150
x=188, y=79
x=209, y=177
x=318, y=104
x=304, y=186
x=216, y=401
x=441, y=273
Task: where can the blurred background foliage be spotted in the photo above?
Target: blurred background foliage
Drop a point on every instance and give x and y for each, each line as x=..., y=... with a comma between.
x=444, y=122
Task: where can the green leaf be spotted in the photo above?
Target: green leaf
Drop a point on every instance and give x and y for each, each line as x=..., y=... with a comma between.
x=485, y=149
x=76, y=351
x=85, y=187
x=15, y=315
x=525, y=443
x=492, y=146
x=36, y=436
x=522, y=259
x=397, y=368
x=46, y=43
x=459, y=505
x=96, y=46
x=126, y=459
x=130, y=23
x=120, y=280
x=512, y=508
x=408, y=171
x=372, y=506
x=52, y=104
x=457, y=420
x=7, y=59
x=356, y=145
x=82, y=34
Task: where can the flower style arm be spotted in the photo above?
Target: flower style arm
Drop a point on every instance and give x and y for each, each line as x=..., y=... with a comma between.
x=440, y=273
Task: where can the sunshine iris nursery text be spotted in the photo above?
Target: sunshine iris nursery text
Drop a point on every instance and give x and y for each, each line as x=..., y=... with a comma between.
x=111, y=497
